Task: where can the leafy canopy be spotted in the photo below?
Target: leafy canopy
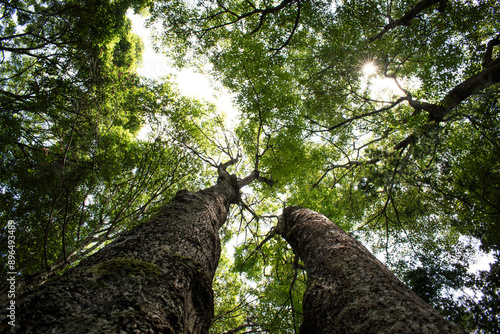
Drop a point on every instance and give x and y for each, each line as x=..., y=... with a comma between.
x=404, y=155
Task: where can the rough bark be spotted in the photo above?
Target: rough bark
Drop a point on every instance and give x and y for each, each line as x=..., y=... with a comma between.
x=348, y=289
x=156, y=278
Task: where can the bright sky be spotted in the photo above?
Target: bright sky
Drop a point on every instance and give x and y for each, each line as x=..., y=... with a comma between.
x=190, y=83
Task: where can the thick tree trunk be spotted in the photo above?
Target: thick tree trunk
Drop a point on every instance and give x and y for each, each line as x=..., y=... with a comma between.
x=156, y=278
x=348, y=289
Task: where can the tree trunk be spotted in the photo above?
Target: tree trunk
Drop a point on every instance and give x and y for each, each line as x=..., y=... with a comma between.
x=156, y=278
x=348, y=289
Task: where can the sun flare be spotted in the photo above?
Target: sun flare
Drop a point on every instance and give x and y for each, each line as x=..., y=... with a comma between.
x=369, y=69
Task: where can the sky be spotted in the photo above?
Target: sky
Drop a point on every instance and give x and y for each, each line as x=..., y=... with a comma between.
x=190, y=82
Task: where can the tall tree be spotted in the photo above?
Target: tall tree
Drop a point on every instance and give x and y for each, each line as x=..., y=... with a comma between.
x=154, y=278
x=73, y=174
x=348, y=289
x=384, y=114
x=416, y=161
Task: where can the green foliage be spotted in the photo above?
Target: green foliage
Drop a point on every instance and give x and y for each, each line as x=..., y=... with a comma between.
x=393, y=157
x=75, y=170
x=431, y=278
x=371, y=151
x=262, y=289
x=485, y=312
x=231, y=298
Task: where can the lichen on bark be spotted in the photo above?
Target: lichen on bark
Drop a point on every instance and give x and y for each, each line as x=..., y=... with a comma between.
x=125, y=267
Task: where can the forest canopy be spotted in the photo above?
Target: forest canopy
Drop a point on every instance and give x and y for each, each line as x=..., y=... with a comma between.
x=382, y=115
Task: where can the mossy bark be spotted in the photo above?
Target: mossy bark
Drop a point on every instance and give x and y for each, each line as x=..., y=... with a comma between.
x=348, y=289
x=156, y=278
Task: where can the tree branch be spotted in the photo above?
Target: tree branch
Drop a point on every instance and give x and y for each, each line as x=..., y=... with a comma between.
x=296, y=24
x=349, y=120
x=409, y=16
x=487, y=62
x=222, y=168
x=268, y=237
x=240, y=328
x=438, y=112
x=255, y=175
x=262, y=12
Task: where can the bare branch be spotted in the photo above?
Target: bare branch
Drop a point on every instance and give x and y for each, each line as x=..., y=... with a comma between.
x=248, y=179
x=481, y=80
x=207, y=160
